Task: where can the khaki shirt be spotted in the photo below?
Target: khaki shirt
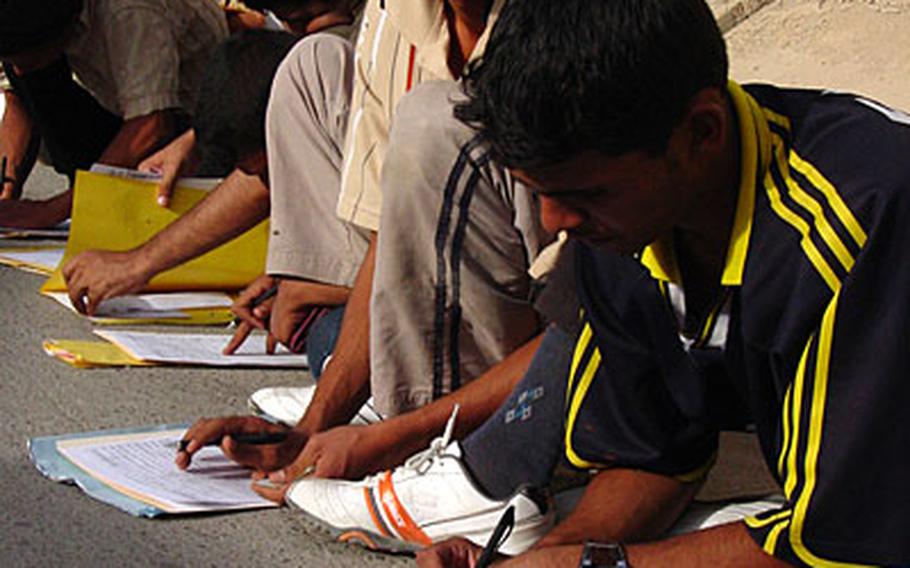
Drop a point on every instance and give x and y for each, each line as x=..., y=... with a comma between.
x=398, y=47
x=140, y=56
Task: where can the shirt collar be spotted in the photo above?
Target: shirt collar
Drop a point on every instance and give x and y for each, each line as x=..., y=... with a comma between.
x=755, y=144
x=422, y=24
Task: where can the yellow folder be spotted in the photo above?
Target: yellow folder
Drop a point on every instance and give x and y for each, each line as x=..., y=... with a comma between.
x=118, y=213
x=88, y=354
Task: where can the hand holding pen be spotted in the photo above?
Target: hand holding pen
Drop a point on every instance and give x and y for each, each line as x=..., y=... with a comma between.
x=252, y=309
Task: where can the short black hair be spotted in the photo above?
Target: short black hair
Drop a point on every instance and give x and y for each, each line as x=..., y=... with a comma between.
x=27, y=24
x=561, y=78
x=229, y=116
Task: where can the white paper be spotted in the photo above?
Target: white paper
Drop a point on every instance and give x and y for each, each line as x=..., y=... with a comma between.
x=60, y=231
x=46, y=259
x=199, y=349
x=206, y=184
x=142, y=466
x=151, y=306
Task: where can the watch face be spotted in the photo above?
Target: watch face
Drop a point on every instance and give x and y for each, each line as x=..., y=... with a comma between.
x=603, y=555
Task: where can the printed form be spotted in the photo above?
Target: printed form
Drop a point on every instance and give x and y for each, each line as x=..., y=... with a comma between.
x=142, y=466
x=198, y=349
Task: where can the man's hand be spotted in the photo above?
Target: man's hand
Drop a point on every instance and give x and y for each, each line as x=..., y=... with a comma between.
x=295, y=300
x=344, y=452
x=281, y=479
x=451, y=553
x=171, y=162
x=29, y=214
x=348, y=452
x=252, y=317
x=96, y=275
x=263, y=458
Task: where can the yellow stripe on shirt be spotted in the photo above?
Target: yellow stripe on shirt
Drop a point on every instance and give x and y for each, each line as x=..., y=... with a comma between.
x=834, y=200
x=795, y=221
x=807, y=202
x=584, y=338
x=792, y=444
x=816, y=425
x=583, y=385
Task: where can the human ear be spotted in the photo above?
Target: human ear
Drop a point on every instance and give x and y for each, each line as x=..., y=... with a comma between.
x=706, y=120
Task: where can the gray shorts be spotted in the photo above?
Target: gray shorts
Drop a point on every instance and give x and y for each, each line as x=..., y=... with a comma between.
x=451, y=293
x=305, y=128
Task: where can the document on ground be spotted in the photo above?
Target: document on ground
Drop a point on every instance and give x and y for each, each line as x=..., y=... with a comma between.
x=61, y=231
x=199, y=349
x=141, y=466
x=42, y=260
x=151, y=306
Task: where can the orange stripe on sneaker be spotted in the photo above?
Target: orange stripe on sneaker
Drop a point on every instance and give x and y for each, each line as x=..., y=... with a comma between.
x=394, y=512
x=374, y=513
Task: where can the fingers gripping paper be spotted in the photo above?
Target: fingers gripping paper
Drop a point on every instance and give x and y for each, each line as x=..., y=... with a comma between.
x=118, y=213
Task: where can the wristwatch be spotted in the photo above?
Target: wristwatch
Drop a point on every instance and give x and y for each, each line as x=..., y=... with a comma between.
x=603, y=555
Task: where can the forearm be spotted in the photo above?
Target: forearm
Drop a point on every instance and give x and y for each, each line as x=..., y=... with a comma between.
x=624, y=505
x=726, y=545
x=236, y=205
x=410, y=432
x=18, y=144
x=345, y=383
x=139, y=137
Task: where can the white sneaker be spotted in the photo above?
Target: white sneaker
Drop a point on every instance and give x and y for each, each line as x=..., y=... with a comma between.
x=428, y=499
x=287, y=405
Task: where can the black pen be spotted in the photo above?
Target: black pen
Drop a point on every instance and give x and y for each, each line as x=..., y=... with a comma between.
x=255, y=439
x=500, y=534
x=267, y=295
x=3, y=173
x=258, y=300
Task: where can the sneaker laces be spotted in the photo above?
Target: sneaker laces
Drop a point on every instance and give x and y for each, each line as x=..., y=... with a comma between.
x=422, y=461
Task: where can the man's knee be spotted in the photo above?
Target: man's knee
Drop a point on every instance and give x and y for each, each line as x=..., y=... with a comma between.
x=319, y=68
x=425, y=126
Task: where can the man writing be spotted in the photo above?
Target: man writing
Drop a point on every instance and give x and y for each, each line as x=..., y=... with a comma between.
x=734, y=247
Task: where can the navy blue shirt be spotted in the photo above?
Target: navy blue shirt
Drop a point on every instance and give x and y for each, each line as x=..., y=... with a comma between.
x=814, y=328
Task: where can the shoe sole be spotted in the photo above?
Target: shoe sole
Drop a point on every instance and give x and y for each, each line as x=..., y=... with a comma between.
x=391, y=545
x=362, y=537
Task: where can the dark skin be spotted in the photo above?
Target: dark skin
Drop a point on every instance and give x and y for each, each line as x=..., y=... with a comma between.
x=622, y=204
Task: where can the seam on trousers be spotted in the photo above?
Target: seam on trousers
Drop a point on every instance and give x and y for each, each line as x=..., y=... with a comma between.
x=442, y=231
x=455, y=261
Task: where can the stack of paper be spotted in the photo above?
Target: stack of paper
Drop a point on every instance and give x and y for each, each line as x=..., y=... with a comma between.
x=61, y=231
x=127, y=348
x=40, y=260
x=151, y=307
x=134, y=471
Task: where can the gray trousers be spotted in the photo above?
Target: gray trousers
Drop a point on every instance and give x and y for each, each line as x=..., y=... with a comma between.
x=451, y=293
x=306, y=122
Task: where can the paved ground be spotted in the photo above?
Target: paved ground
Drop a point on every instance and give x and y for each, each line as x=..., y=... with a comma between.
x=46, y=524
x=856, y=45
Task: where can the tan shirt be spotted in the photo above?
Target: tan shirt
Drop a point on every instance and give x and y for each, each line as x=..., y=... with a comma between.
x=398, y=47
x=140, y=56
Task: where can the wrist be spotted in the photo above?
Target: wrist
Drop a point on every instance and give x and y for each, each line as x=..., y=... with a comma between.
x=603, y=555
